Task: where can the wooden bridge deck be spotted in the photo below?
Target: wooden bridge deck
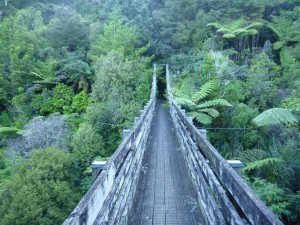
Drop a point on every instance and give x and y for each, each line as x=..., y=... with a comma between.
x=164, y=194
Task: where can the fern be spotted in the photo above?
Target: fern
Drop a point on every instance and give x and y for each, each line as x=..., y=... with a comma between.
x=203, y=113
x=229, y=35
x=259, y=164
x=215, y=25
x=249, y=156
x=202, y=117
x=254, y=24
x=205, y=90
x=9, y=130
x=210, y=111
x=185, y=102
x=223, y=30
x=240, y=31
x=214, y=102
x=275, y=116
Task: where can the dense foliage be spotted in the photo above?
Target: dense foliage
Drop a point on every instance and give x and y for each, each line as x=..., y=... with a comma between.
x=73, y=74
x=72, y=78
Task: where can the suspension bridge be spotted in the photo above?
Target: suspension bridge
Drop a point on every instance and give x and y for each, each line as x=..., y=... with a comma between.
x=165, y=172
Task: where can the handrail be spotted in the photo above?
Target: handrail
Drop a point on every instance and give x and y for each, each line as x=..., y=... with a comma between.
x=212, y=174
x=99, y=203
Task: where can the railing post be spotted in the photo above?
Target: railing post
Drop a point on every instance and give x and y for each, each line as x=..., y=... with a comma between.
x=136, y=119
x=236, y=165
x=125, y=133
x=97, y=167
x=203, y=132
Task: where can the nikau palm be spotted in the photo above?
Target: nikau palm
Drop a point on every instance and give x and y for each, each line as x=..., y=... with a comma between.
x=197, y=104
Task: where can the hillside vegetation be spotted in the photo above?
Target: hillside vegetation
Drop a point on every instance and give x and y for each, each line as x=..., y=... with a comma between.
x=74, y=74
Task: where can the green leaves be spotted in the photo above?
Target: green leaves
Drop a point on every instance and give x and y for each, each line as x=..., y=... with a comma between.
x=249, y=156
x=60, y=101
x=205, y=90
x=272, y=195
x=214, y=102
x=260, y=164
x=185, y=102
x=275, y=116
x=199, y=108
x=41, y=190
x=117, y=36
x=9, y=130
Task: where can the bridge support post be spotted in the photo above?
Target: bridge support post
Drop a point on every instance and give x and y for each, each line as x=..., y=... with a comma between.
x=236, y=165
x=125, y=133
x=97, y=167
x=203, y=132
x=136, y=119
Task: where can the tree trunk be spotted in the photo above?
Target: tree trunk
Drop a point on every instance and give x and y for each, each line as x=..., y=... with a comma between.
x=5, y=2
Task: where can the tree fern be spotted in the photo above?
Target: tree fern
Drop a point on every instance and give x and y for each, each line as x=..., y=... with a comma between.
x=203, y=113
x=214, y=102
x=259, y=164
x=205, y=90
x=215, y=25
x=202, y=117
x=275, y=116
x=229, y=35
x=185, y=102
x=210, y=111
x=249, y=156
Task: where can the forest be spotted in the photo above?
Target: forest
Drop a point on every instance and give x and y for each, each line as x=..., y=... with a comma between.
x=75, y=73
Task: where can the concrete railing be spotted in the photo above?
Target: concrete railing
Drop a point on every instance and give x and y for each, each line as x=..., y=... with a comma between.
x=222, y=194
x=111, y=195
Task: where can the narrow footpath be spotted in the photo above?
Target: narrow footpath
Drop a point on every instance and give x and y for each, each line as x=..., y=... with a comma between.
x=165, y=194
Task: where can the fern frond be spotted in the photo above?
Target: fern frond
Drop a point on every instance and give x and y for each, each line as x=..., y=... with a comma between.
x=205, y=90
x=210, y=111
x=240, y=31
x=275, y=116
x=215, y=102
x=259, y=164
x=223, y=30
x=187, y=89
x=252, y=31
x=9, y=130
x=185, y=102
x=215, y=25
x=229, y=35
x=249, y=156
x=278, y=45
x=202, y=117
x=254, y=24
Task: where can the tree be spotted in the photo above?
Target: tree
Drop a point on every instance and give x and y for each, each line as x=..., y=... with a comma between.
x=68, y=29
x=118, y=36
x=87, y=144
x=239, y=31
x=19, y=40
x=60, y=101
x=41, y=190
x=41, y=133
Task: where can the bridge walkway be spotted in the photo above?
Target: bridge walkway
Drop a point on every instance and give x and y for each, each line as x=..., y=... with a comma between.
x=164, y=194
